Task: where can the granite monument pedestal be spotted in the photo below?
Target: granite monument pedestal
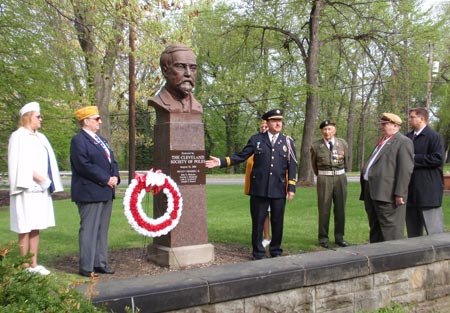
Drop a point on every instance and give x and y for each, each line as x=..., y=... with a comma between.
x=180, y=154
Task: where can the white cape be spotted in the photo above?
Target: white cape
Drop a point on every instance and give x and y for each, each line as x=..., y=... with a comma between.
x=19, y=152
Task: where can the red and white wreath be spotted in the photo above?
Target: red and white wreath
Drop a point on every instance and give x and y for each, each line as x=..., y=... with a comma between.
x=153, y=181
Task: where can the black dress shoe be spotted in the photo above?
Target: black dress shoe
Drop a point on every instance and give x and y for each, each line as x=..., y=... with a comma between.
x=87, y=274
x=258, y=257
x=103, y=270
x=324, y=245
x=342, y=243
x=275, y=255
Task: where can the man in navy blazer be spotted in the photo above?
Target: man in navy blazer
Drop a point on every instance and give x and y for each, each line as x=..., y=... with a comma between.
x=272, y=180
x=426, y=188
x=95, y=174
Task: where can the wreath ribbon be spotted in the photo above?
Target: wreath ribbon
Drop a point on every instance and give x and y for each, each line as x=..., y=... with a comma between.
x=154, y=182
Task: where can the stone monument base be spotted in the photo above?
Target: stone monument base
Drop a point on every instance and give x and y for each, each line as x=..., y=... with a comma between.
x=180, y=256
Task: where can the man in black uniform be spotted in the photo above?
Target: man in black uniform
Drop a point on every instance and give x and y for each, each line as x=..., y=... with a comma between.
x=273, y=179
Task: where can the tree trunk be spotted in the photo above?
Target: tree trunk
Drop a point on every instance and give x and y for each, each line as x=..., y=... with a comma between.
x=305, y=174
x=351, y=120
x=100, y=68
x=362, y=123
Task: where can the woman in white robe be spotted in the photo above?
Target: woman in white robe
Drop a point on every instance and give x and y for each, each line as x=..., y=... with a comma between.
x=30, y=156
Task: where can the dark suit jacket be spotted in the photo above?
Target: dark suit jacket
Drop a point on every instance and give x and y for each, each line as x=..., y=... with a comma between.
x=391, y=171
x=91, y=169
x=270, y=168
x=427, y=181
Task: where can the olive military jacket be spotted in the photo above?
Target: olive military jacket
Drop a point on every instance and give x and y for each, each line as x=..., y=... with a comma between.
x=325, y=160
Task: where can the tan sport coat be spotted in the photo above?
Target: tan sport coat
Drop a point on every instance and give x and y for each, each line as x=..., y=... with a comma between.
x=391, y=171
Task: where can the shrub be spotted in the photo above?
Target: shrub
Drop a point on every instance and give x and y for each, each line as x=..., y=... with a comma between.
x=21, y=291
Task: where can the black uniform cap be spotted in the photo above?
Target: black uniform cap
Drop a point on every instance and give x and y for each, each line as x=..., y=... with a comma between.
x=273, y=114
x=326, y=123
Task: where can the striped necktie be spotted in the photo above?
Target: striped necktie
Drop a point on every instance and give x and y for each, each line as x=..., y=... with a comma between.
x=105, y=148
x=274, y=139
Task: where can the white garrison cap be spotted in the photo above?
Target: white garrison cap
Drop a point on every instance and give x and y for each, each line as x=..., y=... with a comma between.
x=30, y=107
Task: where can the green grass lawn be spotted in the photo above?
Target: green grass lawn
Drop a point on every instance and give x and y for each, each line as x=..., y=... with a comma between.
x=228, y=222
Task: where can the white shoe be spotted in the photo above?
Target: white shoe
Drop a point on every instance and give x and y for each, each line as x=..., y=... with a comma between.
x=43, y=270
x=265, y=242
x=39, y=269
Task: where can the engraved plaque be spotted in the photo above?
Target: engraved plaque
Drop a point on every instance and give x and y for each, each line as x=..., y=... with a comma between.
x=188, y=167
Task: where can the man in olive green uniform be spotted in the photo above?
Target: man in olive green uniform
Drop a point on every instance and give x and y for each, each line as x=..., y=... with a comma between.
x=329, y=159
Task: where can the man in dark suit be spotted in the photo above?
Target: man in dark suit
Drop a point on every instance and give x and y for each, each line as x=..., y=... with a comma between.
x=95, y=174
x=424, y=206
x=385, y=179
x=272, y=181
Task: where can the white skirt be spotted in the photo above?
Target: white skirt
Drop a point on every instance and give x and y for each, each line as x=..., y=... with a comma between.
x=31, y=211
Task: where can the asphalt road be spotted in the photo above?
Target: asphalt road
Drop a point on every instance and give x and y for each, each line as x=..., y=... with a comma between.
x=212, y=180
x=218, y=180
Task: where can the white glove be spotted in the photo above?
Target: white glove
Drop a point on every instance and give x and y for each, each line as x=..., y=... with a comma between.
x=45, y=184
x=36, y=188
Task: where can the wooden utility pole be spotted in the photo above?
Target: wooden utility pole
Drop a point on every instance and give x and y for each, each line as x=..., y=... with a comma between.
x=132, y=105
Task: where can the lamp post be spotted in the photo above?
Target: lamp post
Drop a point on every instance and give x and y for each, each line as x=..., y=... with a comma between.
x=430, y=69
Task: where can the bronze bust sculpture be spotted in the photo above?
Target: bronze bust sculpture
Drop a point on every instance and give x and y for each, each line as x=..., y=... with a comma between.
x=179, y=66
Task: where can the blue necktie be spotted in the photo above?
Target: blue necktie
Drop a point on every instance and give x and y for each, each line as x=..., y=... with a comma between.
x=52, y=185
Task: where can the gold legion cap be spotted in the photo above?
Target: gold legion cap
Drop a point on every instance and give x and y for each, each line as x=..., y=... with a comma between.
x=85, y=112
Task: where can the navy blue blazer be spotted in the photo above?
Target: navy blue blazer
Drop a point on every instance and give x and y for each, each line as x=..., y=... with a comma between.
x=91, y=169
x=274, y=169
x=426, y=187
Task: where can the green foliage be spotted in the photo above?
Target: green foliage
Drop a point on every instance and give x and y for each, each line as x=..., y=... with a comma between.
x=35, y=59
x=372, y=59
x=252, y=56
x=21, y=291
x=246, y=72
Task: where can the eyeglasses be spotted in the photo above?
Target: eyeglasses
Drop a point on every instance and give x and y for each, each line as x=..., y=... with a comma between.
x=97, y=119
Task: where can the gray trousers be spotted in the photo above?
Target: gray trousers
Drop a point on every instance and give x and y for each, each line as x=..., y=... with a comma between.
x=93, y=234
x=418, y=218
x=386, y=220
